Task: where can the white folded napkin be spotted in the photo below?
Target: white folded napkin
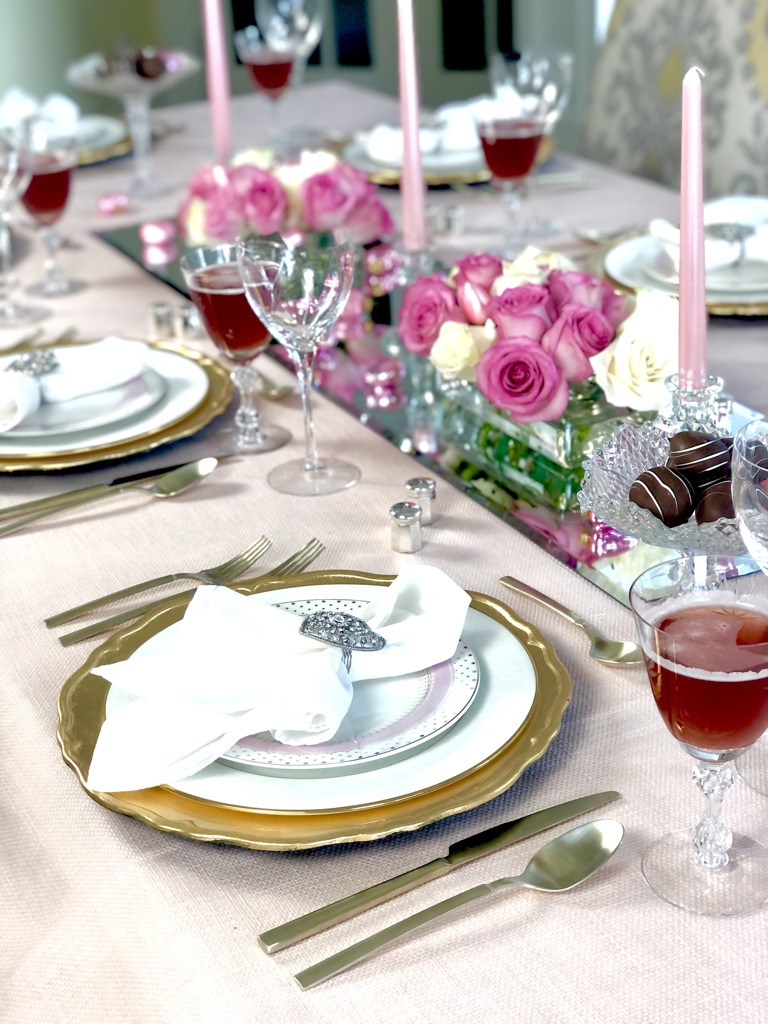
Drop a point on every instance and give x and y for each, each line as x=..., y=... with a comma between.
x=384, y=143
x=17, y=104
x=82, y=370
x=750, y=211
x=452, y=131
x=235, y=666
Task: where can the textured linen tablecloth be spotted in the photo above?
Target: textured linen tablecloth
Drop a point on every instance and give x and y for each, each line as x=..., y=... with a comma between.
x=107, y=920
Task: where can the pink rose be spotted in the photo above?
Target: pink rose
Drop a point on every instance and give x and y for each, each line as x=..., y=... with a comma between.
x=329, y=198
x=579, y=333
x=472, y=279
x=207, y=180
x=260, y=198
x=223, y=218
x=427, y=304
x=517, y=375
x=369, y=221
x=573, y=286
x=525, y=311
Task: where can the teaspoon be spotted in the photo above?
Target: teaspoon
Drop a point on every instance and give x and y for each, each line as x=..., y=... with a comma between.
x=609, y=652
x=559, y=865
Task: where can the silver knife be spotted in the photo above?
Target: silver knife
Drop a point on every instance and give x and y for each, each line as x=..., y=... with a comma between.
x=461, y=852
x=62, y=500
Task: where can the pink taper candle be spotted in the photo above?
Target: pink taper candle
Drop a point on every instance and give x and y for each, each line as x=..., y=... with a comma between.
x=411, y=178
x=217, y=79
x=692, y=369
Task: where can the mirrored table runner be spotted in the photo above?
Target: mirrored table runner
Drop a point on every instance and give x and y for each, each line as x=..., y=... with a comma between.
x=408, y=409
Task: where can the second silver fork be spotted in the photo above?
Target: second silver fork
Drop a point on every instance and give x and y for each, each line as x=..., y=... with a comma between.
x=297, y=562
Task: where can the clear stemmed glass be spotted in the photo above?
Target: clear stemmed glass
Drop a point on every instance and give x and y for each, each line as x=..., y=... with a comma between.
x=299, y=293
x=15, y=170
x=54, y=158
x=135, y=79
x=703, y=624
x=213, y=279
x=749, y=486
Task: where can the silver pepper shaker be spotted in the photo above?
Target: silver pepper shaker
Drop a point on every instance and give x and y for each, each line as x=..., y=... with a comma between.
x=422, y=490
x=405, y=526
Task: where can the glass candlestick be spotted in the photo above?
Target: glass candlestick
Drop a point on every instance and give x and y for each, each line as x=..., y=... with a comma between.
x=706, y=409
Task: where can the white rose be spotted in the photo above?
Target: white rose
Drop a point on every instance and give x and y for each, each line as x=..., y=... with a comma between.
x=194, y=222
x=262, y=158
x=458, y=347
x=532, y=266
x=632, y=370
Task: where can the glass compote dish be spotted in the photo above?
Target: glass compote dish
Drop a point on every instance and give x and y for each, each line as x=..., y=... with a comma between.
x=703, y=625
x=299, y=293
x=15, y=171
x=213, y=279
x=53, y=160
x=135, y=79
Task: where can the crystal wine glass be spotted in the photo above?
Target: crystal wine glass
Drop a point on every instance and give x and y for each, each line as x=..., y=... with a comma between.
x=135, y=78
x=703, y=625
x=749, y=487
x=299, y=293
x=15, y=171
x=53, y=160
x=215, y=287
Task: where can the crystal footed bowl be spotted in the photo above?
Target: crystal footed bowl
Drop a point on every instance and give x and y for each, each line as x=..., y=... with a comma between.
x=609, y=474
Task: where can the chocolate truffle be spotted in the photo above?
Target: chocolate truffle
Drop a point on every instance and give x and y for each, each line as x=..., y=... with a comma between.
x=716, y=502
x=665, y=493
x=149, y=64
x=702, y=458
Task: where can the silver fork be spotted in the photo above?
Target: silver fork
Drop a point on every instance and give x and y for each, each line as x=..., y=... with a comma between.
x=223, y=573
x=297, y=562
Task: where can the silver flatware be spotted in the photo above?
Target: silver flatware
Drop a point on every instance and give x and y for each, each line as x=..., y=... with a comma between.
x=216, y=574
x=167, y=486
x=271, y=391
x=96, y=490
x=498, y=837
x=609, y=652
x=297, y=562
x=562, y=864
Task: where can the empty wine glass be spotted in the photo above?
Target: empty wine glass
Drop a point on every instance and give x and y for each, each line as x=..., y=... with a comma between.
x=215, y=287
x=53, y=160
x=15, y=171
x=299, y=293
x=703, y=625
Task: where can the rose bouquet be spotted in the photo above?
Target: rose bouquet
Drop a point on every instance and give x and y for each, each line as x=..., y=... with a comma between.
x=524, y=331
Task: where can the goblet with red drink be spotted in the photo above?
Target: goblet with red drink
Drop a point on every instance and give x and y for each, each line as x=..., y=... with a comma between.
x=703, y=624
x=213, y=280
x=53, y=159
x=270, y=72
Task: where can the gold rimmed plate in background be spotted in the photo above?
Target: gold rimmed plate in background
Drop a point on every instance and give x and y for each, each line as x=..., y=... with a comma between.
x=82, y=704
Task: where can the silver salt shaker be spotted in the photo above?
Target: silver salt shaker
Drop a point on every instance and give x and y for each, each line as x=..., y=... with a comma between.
x=405, y=526
x=421, y=489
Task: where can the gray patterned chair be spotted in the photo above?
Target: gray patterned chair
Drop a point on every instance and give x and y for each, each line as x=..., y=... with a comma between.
x=633, y=121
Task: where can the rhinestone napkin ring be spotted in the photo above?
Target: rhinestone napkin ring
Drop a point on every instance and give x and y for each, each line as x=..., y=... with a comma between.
x=338, y=629
x=35, y=364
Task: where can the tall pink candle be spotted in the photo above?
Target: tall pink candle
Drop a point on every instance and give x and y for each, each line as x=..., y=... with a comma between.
x=411, y=179
x=217, y=79
x=692, y=370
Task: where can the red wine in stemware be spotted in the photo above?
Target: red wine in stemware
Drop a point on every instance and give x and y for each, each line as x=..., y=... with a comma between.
x=270, y=71
x=510, y=146
x=48, y=189
x=231, y=323
x=710, y=675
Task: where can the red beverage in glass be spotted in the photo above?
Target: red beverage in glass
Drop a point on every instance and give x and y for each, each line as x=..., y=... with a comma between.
x=230, y=321
x=270, y=71
x=709, y=675
x=48, y=189
x=510, y=146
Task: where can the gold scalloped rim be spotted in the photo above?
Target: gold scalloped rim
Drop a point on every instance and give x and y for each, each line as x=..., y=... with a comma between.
x=82, y=703
x=216, y=400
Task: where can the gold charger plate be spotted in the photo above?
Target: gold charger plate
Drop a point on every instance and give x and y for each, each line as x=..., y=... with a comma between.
x=216, y=400
x=82, y=702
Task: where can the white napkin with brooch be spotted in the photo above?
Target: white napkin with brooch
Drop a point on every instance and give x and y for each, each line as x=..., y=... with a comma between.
x=451, y=131
x=82, y=370
x=235, y=666
x=17, y=104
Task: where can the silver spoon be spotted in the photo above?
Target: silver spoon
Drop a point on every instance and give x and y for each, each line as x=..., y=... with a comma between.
x=561, y=864
x=609, y=652
x=173, y=483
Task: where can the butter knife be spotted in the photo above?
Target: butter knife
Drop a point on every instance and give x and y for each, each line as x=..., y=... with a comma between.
x=80, y=493
x=462, y=852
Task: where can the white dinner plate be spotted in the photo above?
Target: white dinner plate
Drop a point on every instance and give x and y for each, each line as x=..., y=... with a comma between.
x=388, y=719
x=99, y=409
x=96, y=131
x=186, y=386
x=502, y=705
x=745, y=276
